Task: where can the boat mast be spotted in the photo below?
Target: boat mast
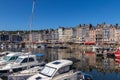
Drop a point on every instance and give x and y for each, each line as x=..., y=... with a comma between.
x=30, y=36
x=31, y=20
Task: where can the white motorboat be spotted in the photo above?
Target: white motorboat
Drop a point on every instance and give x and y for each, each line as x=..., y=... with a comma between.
x=4, y=53
x=95, y=48
x=58, y=70
x=10, y=57
x=25, y=73
x=23, y=62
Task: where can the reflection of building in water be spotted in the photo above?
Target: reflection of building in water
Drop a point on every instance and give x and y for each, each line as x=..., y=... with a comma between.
x=91, y=56
x=106, y=65
x=90, y=61
x=87, y=61
x=117, y=62
x=66, y=53
x=112, y=63
x=52, y=54
x=62, y=53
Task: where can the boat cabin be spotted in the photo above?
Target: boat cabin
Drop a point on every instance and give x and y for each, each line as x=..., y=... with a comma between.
x=57, y=67
x=36, y=58
x=59, y=70
x=23, y=62
x=54, y=70
x=11, y=56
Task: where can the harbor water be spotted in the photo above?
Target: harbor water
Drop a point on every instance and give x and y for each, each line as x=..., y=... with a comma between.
x=100, y=68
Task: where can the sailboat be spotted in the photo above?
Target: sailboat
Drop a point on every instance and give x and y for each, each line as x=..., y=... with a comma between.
x=27, y=61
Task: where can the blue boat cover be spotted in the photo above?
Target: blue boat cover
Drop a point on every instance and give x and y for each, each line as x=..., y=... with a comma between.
x=39, y=54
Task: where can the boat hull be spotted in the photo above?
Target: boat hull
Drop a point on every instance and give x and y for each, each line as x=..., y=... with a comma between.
x=18, y=68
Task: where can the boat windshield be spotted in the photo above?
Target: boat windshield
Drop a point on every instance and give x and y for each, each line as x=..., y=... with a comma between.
x=18, y=60
x=48, y=71
x=7, y=58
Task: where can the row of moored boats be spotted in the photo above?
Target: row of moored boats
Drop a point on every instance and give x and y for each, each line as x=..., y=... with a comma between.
x=28, y=66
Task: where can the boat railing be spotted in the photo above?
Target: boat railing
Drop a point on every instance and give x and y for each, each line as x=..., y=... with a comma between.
x=25, y=74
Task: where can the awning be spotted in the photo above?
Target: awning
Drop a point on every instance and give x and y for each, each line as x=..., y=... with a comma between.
x=89, y=43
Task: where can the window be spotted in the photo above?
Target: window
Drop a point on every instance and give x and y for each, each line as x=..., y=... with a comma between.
x=13, y=58
x=48, y=71
x=64, y=69
x=25, y=60
x=66, y=79
x=18, y=60
x=31, y=59
x=39, y=59
x=7, y=58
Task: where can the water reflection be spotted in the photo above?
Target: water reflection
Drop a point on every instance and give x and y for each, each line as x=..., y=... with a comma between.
x=101, y=69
